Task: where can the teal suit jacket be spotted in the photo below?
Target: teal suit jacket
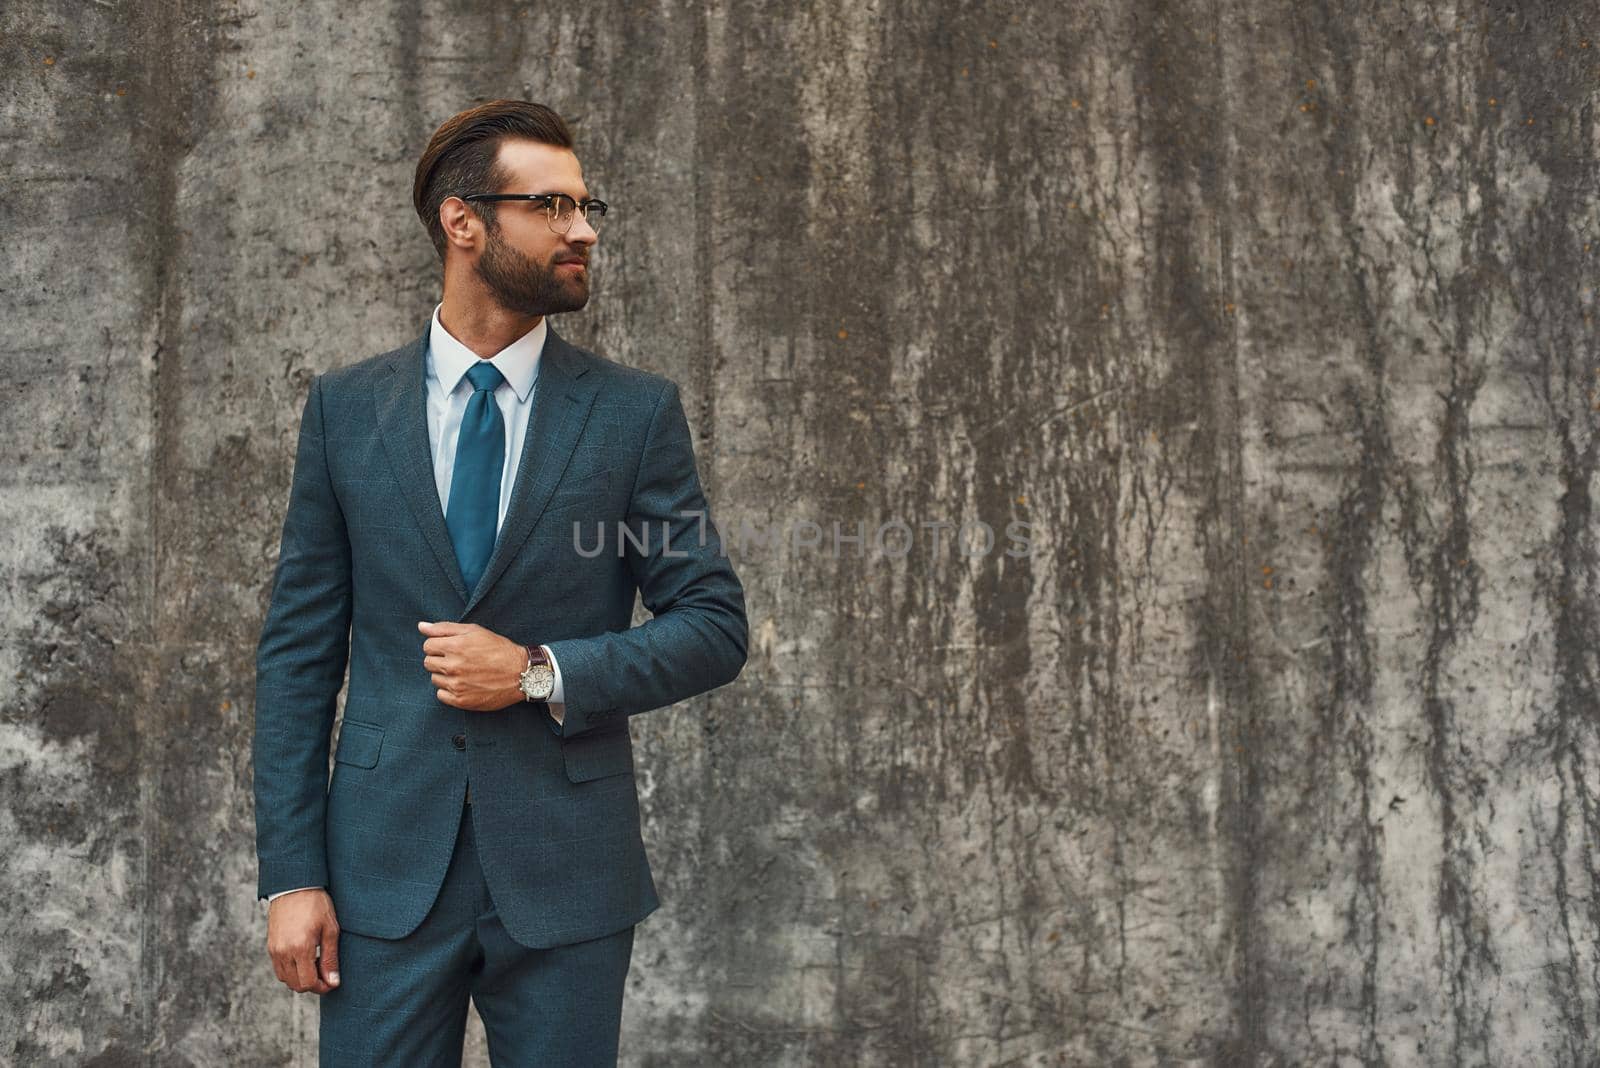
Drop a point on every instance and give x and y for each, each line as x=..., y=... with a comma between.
x=365, y=554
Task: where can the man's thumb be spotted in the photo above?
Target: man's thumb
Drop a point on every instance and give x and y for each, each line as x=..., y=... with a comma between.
x=330, y=955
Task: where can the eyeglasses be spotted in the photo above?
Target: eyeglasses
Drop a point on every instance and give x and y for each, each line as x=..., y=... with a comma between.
x=559, y=208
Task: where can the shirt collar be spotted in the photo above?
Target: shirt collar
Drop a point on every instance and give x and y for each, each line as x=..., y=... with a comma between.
x=518, y=361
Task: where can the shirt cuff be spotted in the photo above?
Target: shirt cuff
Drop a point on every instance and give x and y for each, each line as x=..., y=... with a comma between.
x=556, y=701
x=273, y=897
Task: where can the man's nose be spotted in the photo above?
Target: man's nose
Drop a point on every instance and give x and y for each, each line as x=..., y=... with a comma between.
x=581, y=233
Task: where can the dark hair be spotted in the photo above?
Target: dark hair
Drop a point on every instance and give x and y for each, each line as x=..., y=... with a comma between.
x=461, y=157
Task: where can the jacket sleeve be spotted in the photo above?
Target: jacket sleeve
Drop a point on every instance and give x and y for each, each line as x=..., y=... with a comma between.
x=697, y=637
x=300, y=666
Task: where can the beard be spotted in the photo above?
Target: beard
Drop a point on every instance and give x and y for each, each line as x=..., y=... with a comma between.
x=522, y=285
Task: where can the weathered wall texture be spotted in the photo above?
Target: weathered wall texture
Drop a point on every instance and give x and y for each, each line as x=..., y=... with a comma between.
x=1276, y=320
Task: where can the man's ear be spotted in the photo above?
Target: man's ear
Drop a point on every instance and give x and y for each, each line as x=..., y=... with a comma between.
x=458, y=221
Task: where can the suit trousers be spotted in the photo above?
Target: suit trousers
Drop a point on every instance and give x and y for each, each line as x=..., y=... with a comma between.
x=402, y=1003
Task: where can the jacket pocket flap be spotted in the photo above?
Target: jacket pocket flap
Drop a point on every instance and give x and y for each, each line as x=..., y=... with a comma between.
x=359, y=743
x=587, y=492
x=592, y=480
x=594, y=756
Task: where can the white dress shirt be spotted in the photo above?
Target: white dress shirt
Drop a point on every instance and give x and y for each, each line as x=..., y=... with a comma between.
x=449, y=389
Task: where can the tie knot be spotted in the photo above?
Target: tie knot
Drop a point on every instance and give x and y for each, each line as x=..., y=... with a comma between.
x=485, y=375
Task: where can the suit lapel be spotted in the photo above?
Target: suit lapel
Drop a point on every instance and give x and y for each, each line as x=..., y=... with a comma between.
x=561, y=401
x=402, y=405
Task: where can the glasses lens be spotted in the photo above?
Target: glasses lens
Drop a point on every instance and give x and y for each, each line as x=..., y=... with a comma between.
x=561, y=207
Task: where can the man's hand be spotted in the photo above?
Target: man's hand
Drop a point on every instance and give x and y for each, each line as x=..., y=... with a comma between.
x=473, y=667
x=297, y=924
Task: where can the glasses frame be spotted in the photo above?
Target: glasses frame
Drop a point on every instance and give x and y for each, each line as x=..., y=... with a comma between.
x=549, y=200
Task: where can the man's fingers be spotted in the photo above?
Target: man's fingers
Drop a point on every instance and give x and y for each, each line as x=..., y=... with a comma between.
x=304, y=968
x=330, y=954
x=443, y=627
x=283, y=964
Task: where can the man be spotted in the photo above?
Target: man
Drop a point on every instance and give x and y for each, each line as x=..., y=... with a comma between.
x=480, y=836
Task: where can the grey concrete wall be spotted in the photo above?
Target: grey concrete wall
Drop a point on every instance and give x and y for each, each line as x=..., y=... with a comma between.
x=1276, y=321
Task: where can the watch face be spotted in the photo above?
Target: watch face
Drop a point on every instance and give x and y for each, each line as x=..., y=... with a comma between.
x=538, y=682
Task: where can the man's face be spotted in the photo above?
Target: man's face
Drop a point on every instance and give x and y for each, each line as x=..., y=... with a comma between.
x=526, y=266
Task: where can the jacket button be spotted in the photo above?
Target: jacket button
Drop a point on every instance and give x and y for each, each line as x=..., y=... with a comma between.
x=459, y=741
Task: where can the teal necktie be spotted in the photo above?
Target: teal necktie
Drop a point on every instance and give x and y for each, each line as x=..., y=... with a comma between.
x=473, y=515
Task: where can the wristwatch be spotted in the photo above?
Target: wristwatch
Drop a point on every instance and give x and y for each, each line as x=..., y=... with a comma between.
x=538, y=679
